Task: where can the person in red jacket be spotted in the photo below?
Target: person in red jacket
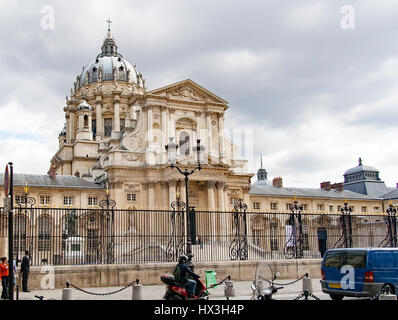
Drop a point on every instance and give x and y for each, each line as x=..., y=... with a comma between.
x=4, y=277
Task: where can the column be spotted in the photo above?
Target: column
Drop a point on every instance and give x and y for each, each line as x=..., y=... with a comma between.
x=116, y=113
x=220, y=196
x=68, y=128
x=210, y=195
x=165, y=196
x=221, y=135
x=150, y=124
x=72, y=125
x=212, y=227
x=99, y=122
x=172, y=125
x=221, y=215
x=172, y=191
x=151, y=196
x=165, y=139
x=208, y=127
x=182, y=191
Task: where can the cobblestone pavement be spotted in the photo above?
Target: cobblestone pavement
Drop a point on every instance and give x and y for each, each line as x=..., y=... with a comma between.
x=155, y=292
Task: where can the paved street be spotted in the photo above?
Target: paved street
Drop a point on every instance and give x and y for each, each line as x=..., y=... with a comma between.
x=155, y=292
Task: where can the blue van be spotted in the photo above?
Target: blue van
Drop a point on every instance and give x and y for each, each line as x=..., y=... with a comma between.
x=359, y=272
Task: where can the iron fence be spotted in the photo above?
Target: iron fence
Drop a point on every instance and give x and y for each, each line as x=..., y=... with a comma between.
x=67, y=236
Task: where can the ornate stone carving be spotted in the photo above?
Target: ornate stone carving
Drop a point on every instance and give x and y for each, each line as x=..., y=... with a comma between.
x=132, y=157
x=186, y=93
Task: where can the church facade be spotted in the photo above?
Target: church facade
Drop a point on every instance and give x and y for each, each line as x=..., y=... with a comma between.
x=116, y=131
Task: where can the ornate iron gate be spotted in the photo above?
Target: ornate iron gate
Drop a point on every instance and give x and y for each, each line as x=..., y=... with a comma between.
x=238, y=247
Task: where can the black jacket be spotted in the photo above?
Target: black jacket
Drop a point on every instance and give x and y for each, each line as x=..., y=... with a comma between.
x=25, y=264
x=183, y=272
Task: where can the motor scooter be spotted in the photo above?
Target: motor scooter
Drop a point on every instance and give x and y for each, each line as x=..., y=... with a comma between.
x=266, y=294
x=177, y=291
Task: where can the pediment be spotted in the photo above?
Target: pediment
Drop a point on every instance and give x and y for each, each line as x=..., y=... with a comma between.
x=187, y=90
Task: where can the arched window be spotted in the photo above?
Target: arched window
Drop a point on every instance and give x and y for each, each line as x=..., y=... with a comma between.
x=44, y=225
x=184, y=143
x=86, y=121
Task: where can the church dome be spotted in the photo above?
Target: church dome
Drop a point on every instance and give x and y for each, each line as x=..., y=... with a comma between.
x=360, y=168
x=360, y=173
x=109, y=65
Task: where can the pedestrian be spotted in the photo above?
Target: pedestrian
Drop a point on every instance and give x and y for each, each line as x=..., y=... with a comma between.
x=4, y=277
x=25, y=271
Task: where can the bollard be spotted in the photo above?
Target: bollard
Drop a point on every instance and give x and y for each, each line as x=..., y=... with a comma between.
x=67, y=292
x=307, y=285
x=387, y=295
x=137, y=291
x=229, y=290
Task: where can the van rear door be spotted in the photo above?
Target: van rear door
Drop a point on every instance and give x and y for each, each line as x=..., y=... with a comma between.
x=345, y=269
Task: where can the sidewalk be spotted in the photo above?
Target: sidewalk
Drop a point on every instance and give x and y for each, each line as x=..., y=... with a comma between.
x=243, y=291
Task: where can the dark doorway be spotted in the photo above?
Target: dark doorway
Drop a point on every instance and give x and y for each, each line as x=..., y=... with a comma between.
x=322, y=240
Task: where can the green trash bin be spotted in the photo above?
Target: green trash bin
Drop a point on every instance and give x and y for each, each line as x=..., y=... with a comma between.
x=210, y=278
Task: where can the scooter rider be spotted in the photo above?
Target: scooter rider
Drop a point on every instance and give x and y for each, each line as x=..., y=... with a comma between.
x=180, y=275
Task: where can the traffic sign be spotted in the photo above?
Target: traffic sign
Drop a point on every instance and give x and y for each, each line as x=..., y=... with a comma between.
x=7, y=181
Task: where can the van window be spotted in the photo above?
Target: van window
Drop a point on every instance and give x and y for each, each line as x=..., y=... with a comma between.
x=385, y=259
x=338, y=259
x=356, y=259
x=333, y=259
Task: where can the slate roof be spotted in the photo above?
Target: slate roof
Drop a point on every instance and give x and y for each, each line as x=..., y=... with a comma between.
x=45, y=181
x=262, y=189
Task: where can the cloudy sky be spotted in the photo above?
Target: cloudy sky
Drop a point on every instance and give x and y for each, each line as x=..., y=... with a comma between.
x=316, y=84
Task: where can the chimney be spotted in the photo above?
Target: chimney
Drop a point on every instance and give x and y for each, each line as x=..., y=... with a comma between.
x=52, y=172
x=77, y=174
x=326, y=185
x=338, y=186
x=277, y=182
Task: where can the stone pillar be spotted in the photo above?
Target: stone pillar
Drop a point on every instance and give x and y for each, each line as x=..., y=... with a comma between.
x=165, y=139
x=172, y=125
x=99, y=122
x=151, y=196
x=72, y=126
x=226, y=198
x=211, y=206
x=150, y=125
x=220, y=196
x=182, y=191
x=68, y=128
x=208, y=127
x=172, y=191
x=212, y=227
x=116, y=113
x=165, y=196
x=221, y=135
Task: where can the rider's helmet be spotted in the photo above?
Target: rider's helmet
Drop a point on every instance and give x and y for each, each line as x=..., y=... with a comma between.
x=182, y=259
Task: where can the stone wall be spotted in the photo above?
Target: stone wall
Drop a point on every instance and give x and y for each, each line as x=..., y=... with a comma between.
x=85, y=276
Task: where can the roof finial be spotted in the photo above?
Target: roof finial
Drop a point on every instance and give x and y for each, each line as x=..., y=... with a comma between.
x=261, y=160
x=360, y=161
x=109, y=26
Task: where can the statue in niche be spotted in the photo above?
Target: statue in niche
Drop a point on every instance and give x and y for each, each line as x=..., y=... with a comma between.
x=71, y=226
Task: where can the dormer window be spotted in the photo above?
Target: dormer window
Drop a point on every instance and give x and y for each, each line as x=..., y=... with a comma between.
x=121, y=68
x=94, y=69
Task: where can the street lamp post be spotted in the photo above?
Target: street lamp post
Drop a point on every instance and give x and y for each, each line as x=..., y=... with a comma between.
x=392, y=225
x=171, y=149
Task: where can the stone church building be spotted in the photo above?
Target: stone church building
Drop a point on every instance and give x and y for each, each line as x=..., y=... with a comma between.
x=116, y=131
